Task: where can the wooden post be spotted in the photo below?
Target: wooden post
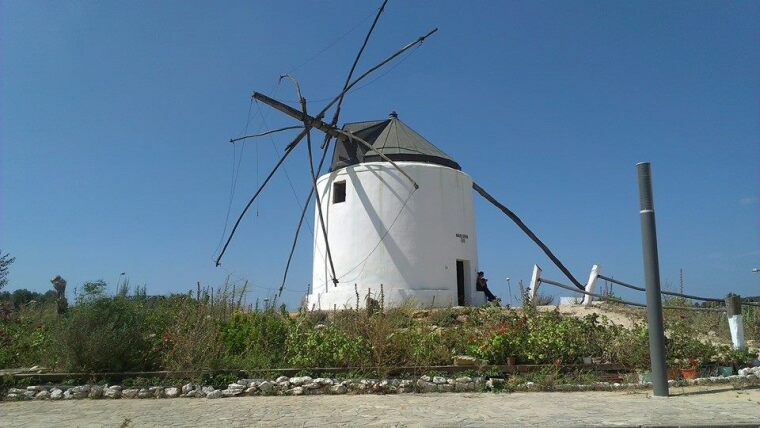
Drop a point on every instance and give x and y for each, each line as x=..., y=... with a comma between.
x=535, y=281
x=735, y=322
x=591, y=285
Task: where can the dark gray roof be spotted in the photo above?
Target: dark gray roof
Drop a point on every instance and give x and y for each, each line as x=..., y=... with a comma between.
x=391, y=137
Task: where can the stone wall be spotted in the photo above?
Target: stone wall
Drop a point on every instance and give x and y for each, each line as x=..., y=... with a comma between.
x=305, y=385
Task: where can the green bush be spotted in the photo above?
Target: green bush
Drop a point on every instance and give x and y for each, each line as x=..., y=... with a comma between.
x=443, y=317
x=506, y=339
x=256, y=339
x=628, y=347
x=326, y=347
x=108, y=334
x=552, y=337
x=26, y=335
x=192, y=338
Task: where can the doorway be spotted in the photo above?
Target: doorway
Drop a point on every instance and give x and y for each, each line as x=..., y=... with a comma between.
x=460, y=282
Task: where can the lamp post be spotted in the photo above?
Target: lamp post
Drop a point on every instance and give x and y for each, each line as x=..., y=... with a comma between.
x=652, y=277
x=756, y=270
x=509, y=288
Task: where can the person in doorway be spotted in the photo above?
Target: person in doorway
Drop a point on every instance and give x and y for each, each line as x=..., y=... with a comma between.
x=482, y=285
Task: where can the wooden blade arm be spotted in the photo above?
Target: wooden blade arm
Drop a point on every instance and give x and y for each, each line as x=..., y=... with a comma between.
x=314, y=122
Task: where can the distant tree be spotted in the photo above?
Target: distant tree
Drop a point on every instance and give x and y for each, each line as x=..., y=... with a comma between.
x=23, y=296
x=5, y=262
x=92, y=290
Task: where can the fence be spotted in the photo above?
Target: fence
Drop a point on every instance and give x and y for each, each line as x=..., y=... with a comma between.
x=732, y=302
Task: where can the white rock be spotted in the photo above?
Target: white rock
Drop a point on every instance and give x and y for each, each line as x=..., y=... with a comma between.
x=300, y=380
x=35, y=388
x=296, y=391
x=464, y=379
x=250, y=391
x=208, y=389
x=281, y=379
x=67, y=395
x=425, y=378
x=338, y=389
x=469, y=386
x=116, y=387
x=231, y=392
x=146, y=393
x=96, y=391
x=266, y=387
x=171, y=392
x=323, y=381
x=13, y=397
x=42, y=395
x=445, y=387
x=112, y=393
x=17, y=391
x=214, y=394
x=129, y=393
x=56, y=394
x=426, y=386
x=187, y=388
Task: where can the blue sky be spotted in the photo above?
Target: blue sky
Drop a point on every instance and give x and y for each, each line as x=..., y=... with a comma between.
x=115, y=118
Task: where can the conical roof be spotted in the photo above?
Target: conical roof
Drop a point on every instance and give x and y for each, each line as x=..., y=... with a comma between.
x=391, y=137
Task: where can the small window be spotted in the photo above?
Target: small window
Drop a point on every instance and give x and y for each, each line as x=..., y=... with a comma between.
x=339, y=192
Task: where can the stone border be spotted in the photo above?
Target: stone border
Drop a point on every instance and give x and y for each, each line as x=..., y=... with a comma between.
x=305, y=385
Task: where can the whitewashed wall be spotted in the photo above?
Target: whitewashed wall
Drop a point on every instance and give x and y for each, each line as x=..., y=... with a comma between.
x=410, y=248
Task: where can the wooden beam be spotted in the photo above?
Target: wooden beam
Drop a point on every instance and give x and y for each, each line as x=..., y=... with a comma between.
x=296, y=114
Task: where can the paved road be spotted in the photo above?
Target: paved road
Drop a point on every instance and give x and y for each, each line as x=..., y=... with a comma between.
x=463, y=409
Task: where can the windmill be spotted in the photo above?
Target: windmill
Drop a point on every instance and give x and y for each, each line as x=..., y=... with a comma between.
x=394, y=211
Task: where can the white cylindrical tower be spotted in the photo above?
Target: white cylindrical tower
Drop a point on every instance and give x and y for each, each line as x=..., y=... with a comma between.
x=385, y=235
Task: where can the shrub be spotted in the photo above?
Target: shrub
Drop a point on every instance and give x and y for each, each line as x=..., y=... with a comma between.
x=443, y=317
x=544, y=299
x=628, y=347
x=552, y=337
x=507, y=339
x=257, y=339
x=25, y=336
x=192, y=338
x=107, y=334
x=326, y=347
x=420, y=346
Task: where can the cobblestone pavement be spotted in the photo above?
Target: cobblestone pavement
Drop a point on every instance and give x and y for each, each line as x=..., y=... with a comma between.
x=461, y=409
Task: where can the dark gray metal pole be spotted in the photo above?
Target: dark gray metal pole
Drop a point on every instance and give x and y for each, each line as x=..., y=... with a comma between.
x=652, y=276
